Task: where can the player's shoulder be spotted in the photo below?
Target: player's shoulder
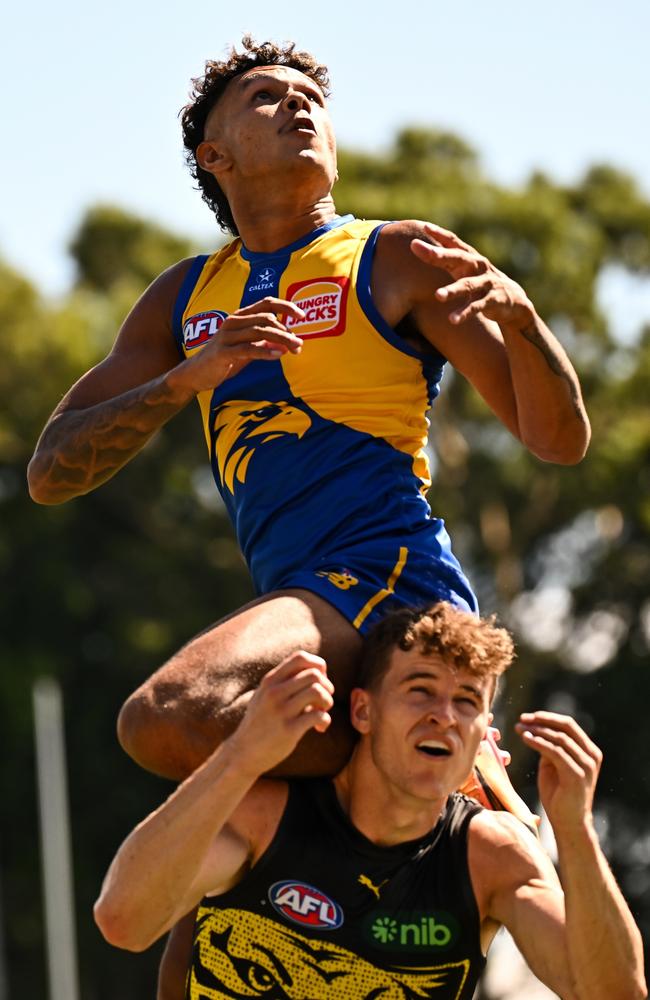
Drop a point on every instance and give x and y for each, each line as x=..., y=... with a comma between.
x=167, y=284
x=498, y=828
x=397, y=261
x=150, y=319
x=500, y=837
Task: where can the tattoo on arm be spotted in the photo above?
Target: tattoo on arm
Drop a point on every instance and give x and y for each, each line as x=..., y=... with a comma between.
x=535, y=336
x=81, y=449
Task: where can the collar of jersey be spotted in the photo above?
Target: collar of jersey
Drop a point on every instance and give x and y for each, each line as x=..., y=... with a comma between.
x=339, y=220
x=337, y=815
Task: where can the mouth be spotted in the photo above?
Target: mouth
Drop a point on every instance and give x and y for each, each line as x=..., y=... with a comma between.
x=303, y=125
x=433, y=748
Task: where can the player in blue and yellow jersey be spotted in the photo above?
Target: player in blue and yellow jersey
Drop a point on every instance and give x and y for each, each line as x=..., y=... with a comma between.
x=314, y=344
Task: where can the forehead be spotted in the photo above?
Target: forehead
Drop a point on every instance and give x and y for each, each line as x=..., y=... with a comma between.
x=405, y=664
x=287, y=74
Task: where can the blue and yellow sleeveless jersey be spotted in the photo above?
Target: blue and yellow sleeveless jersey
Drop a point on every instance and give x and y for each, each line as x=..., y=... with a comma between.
x=320, y=457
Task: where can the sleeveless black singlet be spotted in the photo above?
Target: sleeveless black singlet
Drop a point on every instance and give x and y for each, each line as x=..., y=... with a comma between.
x=325, y=913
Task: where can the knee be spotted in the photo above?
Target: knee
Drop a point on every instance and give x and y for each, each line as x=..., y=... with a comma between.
x=170, y=727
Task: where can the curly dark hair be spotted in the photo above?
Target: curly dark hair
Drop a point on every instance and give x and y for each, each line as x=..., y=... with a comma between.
x=465, y=641
x=206, y=91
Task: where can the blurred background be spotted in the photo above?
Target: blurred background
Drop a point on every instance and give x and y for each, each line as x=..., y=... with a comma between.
x=522, y=129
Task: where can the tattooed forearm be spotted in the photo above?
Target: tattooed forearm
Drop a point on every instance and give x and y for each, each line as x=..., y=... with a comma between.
x=555, y=361
x=81, y=449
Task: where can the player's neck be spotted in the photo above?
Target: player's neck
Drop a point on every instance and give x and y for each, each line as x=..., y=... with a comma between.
x=273, y=223
x=382, y=812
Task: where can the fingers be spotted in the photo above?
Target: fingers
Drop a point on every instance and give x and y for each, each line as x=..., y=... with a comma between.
x=300, y=693
x=259, y=325
x=256, y=340
x=272, y=305
x=560, y=740
x=563, y=724
x=255, y=329
x=446, y=238
x=455, y=261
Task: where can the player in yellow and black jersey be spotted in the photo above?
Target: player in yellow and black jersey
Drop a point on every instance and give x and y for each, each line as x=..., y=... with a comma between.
x=381, y=883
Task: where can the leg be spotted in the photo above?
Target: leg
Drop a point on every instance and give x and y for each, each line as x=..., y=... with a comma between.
x=193, y=702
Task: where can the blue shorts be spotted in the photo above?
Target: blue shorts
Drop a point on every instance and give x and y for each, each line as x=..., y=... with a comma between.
x=364, y=584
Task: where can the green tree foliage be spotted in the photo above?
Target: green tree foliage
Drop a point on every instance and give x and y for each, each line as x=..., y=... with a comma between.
x=103, y=589
x=112, y=245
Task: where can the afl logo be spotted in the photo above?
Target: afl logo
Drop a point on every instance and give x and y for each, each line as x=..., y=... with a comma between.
x=198, y=329
x=305, y=905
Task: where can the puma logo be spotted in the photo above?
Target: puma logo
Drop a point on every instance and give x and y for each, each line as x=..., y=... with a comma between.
x=364, y=880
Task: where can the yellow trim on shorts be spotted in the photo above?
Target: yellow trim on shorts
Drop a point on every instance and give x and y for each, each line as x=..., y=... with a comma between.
x=385, y=591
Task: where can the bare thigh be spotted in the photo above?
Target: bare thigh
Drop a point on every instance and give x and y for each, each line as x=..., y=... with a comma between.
x=195, y=700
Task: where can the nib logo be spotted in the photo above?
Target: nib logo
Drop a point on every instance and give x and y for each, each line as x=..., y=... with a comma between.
x=407, y=930
x=384, y=929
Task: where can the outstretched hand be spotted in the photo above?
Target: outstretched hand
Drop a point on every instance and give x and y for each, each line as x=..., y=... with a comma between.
x=292, y=698
x=478, y=286
x=568, y=768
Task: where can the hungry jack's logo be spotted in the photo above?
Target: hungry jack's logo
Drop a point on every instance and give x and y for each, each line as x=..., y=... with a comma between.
x=324, y=301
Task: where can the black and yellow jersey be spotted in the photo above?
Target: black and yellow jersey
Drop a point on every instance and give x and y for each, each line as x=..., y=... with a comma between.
x=326, y=914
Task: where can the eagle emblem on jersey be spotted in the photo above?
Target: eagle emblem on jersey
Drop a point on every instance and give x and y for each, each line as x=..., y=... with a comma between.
x=238, y=955
x=240, y=427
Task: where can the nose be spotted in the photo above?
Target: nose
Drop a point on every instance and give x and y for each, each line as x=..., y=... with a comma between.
x=441, y=712
x=296, y=101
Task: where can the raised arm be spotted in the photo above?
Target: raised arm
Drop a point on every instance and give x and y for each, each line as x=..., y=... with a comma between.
x=604, y=946
x=217, y=822
x=579, y=936
x=114, y=409
x=486, y=326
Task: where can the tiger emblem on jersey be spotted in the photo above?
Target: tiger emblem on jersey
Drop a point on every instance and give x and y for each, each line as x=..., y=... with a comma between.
x=241, y=426
x=238, y=955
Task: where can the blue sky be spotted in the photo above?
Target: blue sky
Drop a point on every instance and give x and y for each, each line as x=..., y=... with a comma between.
x=91, y=95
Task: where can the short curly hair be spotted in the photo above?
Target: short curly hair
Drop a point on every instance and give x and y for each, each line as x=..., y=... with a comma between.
x=206, y=91
x=465, y=641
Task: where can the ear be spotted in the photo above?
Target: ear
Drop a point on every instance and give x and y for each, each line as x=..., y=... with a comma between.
x=211, y=158
x=490, y=719
x=360, y=710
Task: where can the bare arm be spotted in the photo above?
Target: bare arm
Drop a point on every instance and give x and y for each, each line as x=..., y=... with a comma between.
x=114, y=409
x=176, y=959
x=604, y=945
x=213, y=826
x=579, y=937
x=486, y=326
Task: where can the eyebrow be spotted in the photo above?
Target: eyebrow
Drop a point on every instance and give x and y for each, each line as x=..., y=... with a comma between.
x=426, y=675
x=248, y=81
x=253, y=78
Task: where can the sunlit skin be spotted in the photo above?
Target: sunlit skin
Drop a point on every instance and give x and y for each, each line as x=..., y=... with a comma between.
x=270, y=144
x=420, y=699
